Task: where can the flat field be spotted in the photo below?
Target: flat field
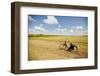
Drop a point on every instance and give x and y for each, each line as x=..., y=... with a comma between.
x=46, y=47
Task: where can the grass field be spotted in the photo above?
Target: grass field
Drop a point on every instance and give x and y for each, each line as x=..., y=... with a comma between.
x=46, y=47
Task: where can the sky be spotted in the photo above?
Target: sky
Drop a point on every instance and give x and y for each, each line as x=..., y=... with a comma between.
x=57, y=25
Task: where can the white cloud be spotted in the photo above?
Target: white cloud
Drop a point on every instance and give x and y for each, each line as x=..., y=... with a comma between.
x=31, y=19
x=78, y=30
x=79, y=27
x=40, y=29
x=51, y=20
x=61, y=29
x=71, y=30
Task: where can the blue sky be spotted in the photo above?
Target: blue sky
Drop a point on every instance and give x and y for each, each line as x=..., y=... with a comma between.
x=57, y=25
